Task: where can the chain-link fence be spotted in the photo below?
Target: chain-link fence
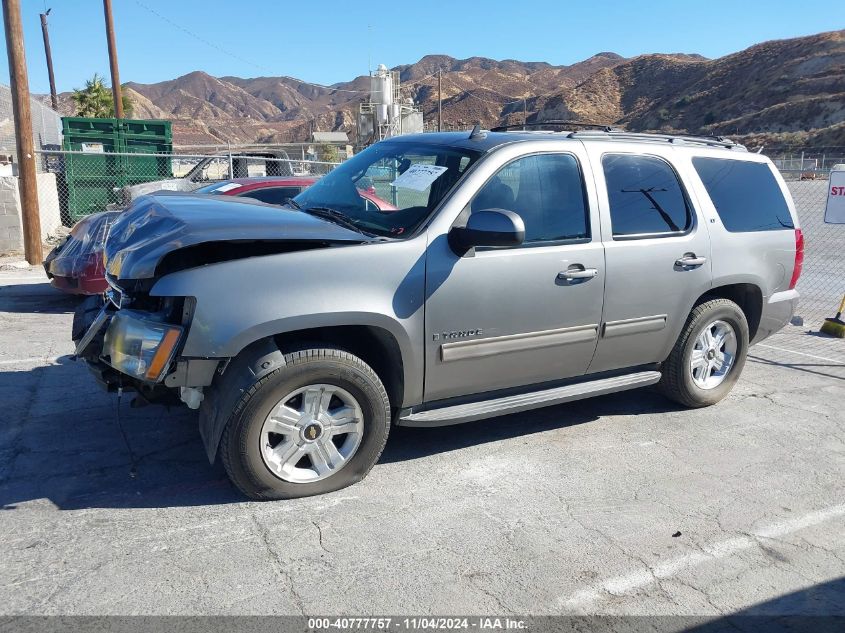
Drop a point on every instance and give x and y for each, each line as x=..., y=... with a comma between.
x=796, y=160
x=78, y=183
x=822, y=283
x=46, y=125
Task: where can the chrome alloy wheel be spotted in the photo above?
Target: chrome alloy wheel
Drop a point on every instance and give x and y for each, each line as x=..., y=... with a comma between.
x=311, y=433
x=713, y=355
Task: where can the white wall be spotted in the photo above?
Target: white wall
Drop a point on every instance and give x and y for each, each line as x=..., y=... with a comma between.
x=11, y=235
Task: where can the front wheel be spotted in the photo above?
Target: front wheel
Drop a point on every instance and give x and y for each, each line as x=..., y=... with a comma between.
x=315, y=425
x=708, y=356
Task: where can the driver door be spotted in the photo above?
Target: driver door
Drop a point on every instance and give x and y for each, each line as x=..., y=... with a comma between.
x=503, y=318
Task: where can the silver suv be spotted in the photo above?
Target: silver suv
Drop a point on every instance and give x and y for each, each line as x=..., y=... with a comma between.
x=518, y=270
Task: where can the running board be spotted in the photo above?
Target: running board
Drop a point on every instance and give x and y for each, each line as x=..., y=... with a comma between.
x=524, y=402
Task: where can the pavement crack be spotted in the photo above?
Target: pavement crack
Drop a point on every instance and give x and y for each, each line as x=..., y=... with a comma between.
x=278, y=564
x=320, y=537
x=492, y=596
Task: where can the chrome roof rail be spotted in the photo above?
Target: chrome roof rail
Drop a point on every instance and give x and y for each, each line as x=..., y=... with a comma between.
x=709, y=141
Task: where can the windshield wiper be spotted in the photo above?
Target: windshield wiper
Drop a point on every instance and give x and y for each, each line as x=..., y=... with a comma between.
x=333, y=215
x=292, y=203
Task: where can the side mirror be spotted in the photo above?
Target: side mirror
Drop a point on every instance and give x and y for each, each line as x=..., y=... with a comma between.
x=496, y=228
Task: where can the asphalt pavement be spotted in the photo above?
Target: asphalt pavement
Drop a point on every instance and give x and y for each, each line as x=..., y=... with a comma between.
x=624, y=504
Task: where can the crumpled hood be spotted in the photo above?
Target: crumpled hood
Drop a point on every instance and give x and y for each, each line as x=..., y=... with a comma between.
x=157, y=225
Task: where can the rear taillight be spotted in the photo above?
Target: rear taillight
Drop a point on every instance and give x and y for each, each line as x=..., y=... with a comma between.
x=799, y=258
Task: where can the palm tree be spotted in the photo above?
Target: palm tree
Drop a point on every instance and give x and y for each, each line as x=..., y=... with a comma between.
x=96, y=100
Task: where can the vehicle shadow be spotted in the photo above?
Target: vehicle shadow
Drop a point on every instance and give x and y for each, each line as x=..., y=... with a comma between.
x=66, y=441
x=37, y=298
x=828, y=370
x=408, y=443
x=819, y=608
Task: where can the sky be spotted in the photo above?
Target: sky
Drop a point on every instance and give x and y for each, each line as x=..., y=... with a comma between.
x=328, y=41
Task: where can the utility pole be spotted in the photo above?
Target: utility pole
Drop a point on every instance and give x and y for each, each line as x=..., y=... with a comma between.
x=439, y=99
x=53, y=99
x=19, y=84
x=115, y=75
x=524, y=113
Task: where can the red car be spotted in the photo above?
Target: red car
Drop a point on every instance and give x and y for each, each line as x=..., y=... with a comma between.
x=275, y=190
x=269, y=189
x=76, y=265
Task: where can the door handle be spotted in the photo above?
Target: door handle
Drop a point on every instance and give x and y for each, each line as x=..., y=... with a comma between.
x=689, y=260
x=577, y=272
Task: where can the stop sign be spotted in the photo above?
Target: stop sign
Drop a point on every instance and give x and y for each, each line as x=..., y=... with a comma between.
x=835, y=211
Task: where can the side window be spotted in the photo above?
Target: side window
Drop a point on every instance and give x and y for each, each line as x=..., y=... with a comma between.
x=272, y=195
x=645, y=196
x=211, y=170
x=746, y=195
x=546, y=190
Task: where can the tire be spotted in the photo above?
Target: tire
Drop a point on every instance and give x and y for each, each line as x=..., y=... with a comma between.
x=246, y=443
x=686, y=385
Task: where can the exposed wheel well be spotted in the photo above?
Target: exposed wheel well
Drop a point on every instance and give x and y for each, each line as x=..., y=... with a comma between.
x=374, y=345
x=747, y=296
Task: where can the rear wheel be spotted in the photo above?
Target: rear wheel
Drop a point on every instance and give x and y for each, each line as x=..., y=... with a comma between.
x=316, y=424
x=708, y=356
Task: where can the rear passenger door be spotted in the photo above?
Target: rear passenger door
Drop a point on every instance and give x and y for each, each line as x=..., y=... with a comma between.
x=657, y=254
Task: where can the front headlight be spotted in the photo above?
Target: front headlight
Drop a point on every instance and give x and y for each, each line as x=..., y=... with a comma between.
x=140, y=347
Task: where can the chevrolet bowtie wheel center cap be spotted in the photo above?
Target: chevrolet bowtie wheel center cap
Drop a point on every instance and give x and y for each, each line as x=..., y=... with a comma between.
x=312, y=431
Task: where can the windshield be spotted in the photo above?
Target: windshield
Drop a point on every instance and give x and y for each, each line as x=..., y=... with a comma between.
x=389, y=188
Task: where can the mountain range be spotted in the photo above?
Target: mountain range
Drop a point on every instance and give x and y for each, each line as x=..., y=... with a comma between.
x=782, y=92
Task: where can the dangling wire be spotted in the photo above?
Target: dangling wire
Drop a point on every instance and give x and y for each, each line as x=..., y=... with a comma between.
x=133, y=470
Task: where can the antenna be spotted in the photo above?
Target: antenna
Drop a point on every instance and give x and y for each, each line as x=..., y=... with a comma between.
x=370, y=48
x=477, y=133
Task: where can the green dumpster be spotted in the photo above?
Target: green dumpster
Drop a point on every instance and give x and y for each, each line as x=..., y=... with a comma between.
x=100, y=162
x=142, y=138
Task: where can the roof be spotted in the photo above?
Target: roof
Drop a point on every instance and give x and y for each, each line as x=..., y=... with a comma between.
x=330, y=137
x=486, y=141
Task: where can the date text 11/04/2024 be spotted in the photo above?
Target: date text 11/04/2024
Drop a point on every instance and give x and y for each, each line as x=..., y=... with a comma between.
x=416, y=623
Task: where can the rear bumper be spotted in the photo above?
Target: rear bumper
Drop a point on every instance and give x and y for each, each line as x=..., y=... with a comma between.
x=778, y=311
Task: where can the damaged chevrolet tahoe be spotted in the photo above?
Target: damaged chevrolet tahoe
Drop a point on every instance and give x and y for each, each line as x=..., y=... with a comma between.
x=517, y=270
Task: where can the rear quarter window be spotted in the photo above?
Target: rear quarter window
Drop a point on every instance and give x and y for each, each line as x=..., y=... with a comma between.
x=746, y=195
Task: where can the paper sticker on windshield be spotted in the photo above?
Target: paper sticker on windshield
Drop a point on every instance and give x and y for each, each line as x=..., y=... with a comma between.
x=227, y=187
x=419, y=177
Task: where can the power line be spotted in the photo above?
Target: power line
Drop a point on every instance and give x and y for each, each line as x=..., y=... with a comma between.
x=464, y=91
x=229, y=53
x=501, y=103
x=417, y=81
x=238, y=57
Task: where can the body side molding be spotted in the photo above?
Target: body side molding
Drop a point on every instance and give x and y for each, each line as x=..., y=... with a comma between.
x=639, y=325
x=479, y=348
